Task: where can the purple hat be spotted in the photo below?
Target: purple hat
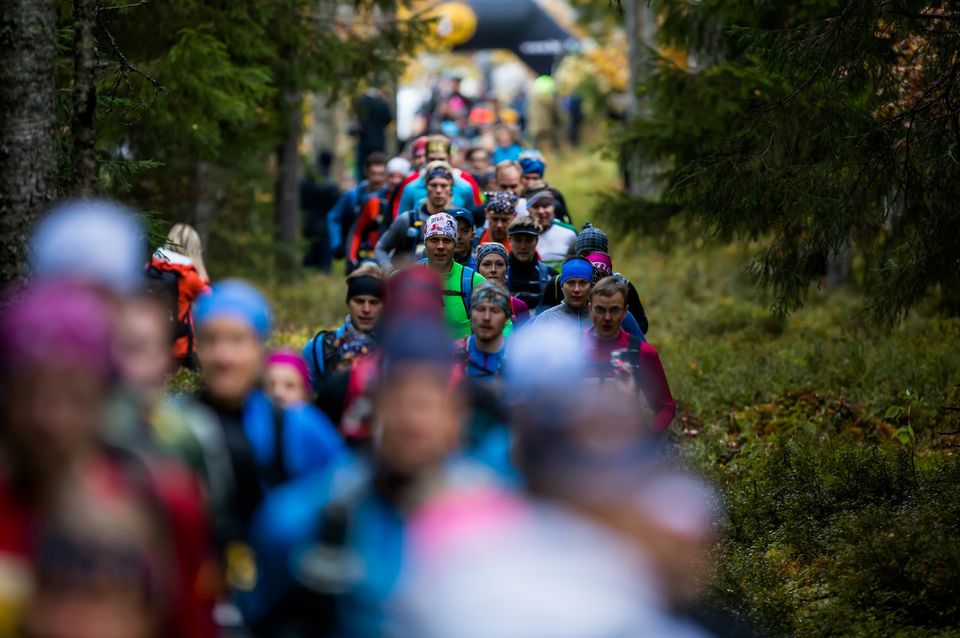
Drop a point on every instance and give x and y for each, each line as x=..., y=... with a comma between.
x=56, y=323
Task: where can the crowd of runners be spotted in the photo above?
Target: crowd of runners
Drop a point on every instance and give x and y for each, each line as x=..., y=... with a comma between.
x=478, y=449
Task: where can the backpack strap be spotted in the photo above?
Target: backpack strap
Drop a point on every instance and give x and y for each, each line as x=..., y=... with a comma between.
x=317, y=360
x=466, y=288
x=277, y=474
x=543, y=276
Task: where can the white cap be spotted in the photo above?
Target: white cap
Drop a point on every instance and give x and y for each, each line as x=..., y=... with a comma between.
x=93, y=240
x=398, y=165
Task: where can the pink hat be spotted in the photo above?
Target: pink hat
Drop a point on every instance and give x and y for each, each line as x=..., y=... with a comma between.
x=602, y=262
x=290, y=358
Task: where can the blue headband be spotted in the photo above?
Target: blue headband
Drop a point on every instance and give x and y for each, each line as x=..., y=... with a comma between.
x=576, y=269
x=238, y=300
x=532, y=166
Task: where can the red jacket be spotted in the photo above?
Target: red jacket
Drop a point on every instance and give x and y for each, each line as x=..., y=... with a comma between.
x=650, y=377
x=190, y=286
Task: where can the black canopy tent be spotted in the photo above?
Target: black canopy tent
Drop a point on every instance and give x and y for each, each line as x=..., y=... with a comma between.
x=522, y=27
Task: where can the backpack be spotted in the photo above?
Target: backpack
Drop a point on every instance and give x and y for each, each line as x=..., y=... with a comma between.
x=164, y=285
x=322, y=362
x=414, y=237
x=466, y=289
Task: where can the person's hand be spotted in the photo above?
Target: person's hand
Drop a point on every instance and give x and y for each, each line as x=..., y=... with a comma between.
x=625, y=379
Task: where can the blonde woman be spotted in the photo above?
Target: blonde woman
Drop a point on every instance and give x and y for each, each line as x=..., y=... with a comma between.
x=177, y=274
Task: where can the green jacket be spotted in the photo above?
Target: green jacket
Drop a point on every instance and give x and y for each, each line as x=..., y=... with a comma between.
x=458, y=286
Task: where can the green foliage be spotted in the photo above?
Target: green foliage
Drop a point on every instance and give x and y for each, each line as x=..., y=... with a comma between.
x=826, y=538
x=811, y=125
x=194, y=96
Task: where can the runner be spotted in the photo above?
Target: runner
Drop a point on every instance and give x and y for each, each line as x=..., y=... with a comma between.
x=481, y=354
x=527, y=276
x=466, y=237
x=576, y=279
x=330, y=549
x=557, y=239
x=616, y=355
x=261, y=447
x=402, y=242
x=343, y=214
x=286, y=379
x=459, y=281
x=532, y=167
x=177, y=274
x=507, y=148
x=492, y=258
x=478, y=163
x=325, y=351
x=464, y=190
x=374, y=217
x=500, y=210
x=593, y=241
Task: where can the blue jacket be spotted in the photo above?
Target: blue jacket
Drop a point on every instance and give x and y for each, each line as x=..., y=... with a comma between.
x=345, y=211
x=630, y=324
x=288, y=526
x=310, y=442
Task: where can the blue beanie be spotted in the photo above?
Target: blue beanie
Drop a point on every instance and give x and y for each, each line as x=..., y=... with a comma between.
x=532, y=165
x=577, y=268
x=235, y=299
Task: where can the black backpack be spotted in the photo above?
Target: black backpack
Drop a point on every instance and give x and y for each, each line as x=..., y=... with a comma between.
x=164, y=285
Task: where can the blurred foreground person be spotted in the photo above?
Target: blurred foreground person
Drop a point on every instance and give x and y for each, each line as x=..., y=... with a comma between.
x=578, y=556
x=251, y=447
x=286, y=380
x=346, y=394
x=103, y=565
x=54, y=382
x=330, y=547
x=143, y=415
x=56, y=378
x=91, y=241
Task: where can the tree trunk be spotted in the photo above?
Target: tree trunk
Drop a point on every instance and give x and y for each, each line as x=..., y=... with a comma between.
x=641, y=34
x=28, y=144
x=82, y=130
x=287, y=199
